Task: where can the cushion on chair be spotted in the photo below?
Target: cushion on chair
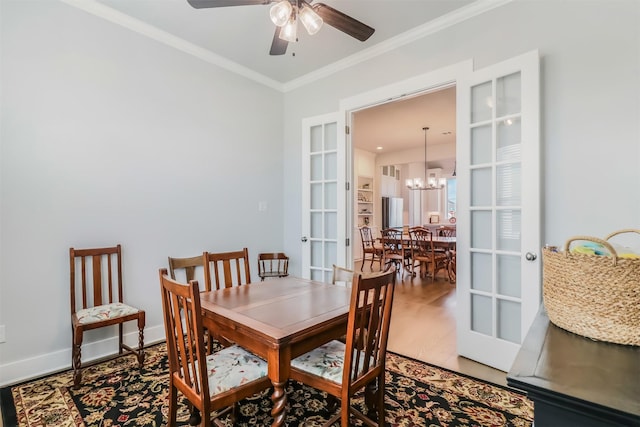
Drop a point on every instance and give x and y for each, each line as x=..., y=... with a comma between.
x=104, y=312
x=231, y=367
x=326, y=361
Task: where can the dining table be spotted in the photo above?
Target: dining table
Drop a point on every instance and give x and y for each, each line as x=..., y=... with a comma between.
x=444, y=242
x=278, y=319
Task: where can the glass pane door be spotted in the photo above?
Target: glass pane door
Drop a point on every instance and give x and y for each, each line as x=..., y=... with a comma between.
x=323, y=194
x=498, y=209
x=495, y=207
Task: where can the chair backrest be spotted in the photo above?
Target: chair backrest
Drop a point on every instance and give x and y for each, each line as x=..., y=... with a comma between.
x=273, y=264
x=367, y=238
x=189, y=265
x=392, y=247
x=421, y=243
x=99, y=281
x=185, y=337
x=447, y=231
x=226, y=268
x=368, y=326
x=341, y=274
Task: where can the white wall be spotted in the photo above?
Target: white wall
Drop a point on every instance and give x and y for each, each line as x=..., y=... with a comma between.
x=109, y=137
x=590, y=127
x=82, y=97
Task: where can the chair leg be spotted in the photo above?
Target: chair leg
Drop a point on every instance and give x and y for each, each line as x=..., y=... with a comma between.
x=173, y=403
x=76, y=350
x=195, y=418
x=369, y=399
x=332, y=402
x=380, y=400
x=344, y=412
x=140, y=341
x=120, y=341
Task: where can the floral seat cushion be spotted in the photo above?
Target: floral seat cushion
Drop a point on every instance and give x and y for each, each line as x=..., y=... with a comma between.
x=104, y=312
x=326, y=361
x=231, y=367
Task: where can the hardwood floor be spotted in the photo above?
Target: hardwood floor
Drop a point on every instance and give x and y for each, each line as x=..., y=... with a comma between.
x=423, y=325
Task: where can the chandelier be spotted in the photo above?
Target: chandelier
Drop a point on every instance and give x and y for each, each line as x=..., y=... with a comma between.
x=284, y=14
x=427, y=184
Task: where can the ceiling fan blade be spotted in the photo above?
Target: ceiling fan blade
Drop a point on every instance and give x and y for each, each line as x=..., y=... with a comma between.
x=343, y=22
x=203, y=4
x=278, y=46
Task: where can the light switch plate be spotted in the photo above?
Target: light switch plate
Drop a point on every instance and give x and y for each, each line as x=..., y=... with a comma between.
x=2, y=336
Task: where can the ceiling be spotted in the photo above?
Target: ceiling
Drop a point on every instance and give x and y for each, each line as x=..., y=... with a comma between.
x=239, y=37
x=242, y=35
x=397, y=125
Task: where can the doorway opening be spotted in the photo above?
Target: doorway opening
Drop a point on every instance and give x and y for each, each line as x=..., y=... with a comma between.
x=388, y=146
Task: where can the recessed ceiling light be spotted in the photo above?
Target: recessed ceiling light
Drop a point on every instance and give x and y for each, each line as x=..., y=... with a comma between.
x=378, y=148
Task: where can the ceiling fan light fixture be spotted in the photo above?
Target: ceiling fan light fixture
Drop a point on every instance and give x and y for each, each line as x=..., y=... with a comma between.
x=290, y=31
x=310, y=19
x=280, y=13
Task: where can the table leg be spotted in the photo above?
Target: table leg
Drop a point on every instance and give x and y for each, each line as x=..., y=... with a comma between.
x=279, y=360
x=279, y=399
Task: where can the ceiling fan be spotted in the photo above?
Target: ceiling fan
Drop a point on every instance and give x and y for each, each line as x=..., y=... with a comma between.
x=286, y=13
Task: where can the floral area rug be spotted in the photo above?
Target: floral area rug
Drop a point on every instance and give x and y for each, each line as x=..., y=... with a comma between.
x=118, y=394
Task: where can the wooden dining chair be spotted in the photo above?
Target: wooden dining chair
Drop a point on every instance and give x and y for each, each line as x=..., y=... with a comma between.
x=447, y=231
x=208, y=381
x=341, y=274
x=226, y=268
x=370, y=247
x=394, y=250
x=97, y=301
x=344, y=369
x=188, y=266
x=423, y=253
x=273, y=265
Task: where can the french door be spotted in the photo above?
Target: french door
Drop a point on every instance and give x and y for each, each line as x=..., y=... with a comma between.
x=323, y=197
x=499, y=274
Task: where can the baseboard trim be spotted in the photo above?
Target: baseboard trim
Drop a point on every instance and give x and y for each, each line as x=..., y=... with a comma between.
x=60, y=360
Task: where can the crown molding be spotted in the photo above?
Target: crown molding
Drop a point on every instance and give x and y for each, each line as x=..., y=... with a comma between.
x=445, y=21
x=98, y=9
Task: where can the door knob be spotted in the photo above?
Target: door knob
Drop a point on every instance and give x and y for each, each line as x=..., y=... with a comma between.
x=530, y=256
x=304, y=238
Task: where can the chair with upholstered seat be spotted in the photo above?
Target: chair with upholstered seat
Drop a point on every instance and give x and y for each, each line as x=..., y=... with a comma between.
x=273, y=265
x=209, y=382
x=370, y=247
x=97, y=301
x=344, y=369
x=227, y=269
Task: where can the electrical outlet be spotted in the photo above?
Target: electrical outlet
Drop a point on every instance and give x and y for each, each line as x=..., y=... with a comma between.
x=2, y=336
x=262, y=206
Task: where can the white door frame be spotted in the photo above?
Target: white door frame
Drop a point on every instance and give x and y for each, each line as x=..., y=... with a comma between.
x=430, y=81
x=423, y=83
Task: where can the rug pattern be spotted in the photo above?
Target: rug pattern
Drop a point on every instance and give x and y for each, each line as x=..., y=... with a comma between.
x=118, y=394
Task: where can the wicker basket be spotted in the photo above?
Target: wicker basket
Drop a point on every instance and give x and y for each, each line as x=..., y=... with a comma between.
x=594, y=296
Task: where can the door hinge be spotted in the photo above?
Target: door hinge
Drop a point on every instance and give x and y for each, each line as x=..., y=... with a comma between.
x=346, y=186
x=347, y=130
x=347, y=242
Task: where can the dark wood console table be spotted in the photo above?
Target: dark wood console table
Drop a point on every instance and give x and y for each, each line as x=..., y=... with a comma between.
x=575, y=381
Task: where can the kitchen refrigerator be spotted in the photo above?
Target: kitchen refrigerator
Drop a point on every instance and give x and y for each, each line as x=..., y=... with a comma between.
x=392, y=212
